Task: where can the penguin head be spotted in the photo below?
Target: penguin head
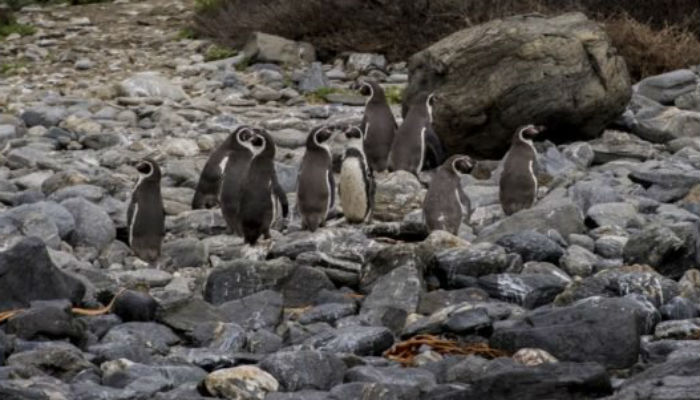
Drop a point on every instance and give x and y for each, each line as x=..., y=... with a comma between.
x=244, y=134
x=148, y=169
x=461, y=164
x=321, y=137
x=528, y=132
x=262, y=144
x=353, y=132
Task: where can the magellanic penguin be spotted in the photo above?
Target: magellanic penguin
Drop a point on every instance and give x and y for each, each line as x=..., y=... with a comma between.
x=235, y=165
x=262, y=198
x=378, y=125
x=356, y=186
x=315, y=183
x=416, y=146
x=445, y=204
x=145, y=215
x=206, y=194
x=518, y=184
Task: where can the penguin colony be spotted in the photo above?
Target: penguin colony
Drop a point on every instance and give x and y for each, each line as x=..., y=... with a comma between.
x=240, y=177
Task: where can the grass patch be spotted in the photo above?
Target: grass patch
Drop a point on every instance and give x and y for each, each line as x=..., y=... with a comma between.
x=216, y=52
x=394, y=94
x=187, y=33
x=13, y=27
x=319, y=95
x=11, y=68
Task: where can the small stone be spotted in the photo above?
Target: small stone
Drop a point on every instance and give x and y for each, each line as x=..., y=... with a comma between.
x=84, y=64
x=241, y=383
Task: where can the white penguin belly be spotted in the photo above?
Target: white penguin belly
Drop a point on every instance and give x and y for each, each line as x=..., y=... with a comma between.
x=353, y=196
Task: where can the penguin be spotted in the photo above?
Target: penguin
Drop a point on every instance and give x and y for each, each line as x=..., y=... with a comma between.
x=315, y=182
x=239, y=153
x=446, y=204
x=518, y=183
x=356, y=186
x=416, y=146
x=207, y=192
x=378, y=125
x=145, y=215
x=262, y=199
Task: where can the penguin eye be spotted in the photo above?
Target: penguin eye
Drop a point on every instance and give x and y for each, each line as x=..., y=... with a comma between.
x=323, y=135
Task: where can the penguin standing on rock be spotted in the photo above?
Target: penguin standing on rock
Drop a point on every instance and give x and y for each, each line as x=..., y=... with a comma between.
x=262, y=198
x=145, y=215
x=239, y=153
x=378, y=125
x=445, y=204
x=316, y=185
x=207, y=193
x=356, y=186
x=416, y=146
x=518, y=184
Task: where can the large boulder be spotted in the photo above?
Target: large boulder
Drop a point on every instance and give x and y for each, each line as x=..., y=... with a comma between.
x=28, y=274
x=489, y=79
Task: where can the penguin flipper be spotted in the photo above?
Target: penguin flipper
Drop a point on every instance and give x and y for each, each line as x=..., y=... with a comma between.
x=281, y=195
x=331, y=186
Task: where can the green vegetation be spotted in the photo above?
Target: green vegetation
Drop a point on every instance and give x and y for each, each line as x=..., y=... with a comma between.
x=204, y=5
x=216, y=52
x=187, y=33
x=8, y=25
x=319, y=95
x=394, y=94
x=10, y=68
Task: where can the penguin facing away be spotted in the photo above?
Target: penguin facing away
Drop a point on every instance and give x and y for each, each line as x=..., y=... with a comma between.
x=518, y=183
x=416, y=146
x=378, y=125
x=240, y=152
x=446, y=204
x=207, y=192
x=145, y=215
x=262, y=198
x=315, y=182
x=356, y=187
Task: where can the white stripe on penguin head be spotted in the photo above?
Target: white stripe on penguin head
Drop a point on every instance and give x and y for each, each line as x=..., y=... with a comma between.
x=371, y=93
x=429, y=107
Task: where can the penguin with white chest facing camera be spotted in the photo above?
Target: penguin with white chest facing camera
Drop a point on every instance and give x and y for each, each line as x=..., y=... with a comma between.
x=356, y=187
x=145, y=215
x=446, y=204
x=235, y=164
x=518, y=183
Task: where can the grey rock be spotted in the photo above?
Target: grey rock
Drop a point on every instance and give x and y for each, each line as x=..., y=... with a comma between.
x=617, y=145
x=433, y=301
x=655, y=245
x=665, y=88
x=150, y=84
x=242, y=278
x=359, y=340
x=477, y=260
x=327, y=313
x=88, y=192
x=125, y=374
x=620, y=214
x=527, y=290
x=261, y=310
x=597, y=329
x=185, y=253
x=401, y=288
x=406, y=377
x=621, y=282
x=374, y=391
x=397, y=194
x=243, y=382
x=581, y=153
x=189, y=315
x=302, y=286
x=46, y=116
x=48, y=319
x=560, y=215
x=674, y=379
x=93, y=227
x=679, y=308
x=314, y=78
x=463, y=123
x=578, y=261
x=263, y=47
x=206, y=222
x=57, y=359
x=474, y=321
x=683, y=329
x=305, y=370
x=29, y=274
x=610, y=246
x=131, y=305
x=532, y=246
x=361, y=62
x=157, y=338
